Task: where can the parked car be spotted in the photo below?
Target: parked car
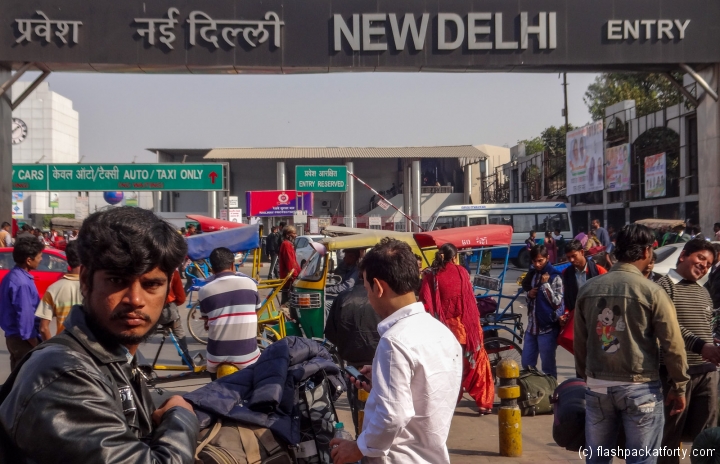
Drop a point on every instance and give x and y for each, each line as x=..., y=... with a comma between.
x=303, y=249
x=52, y=267
x=667, y=257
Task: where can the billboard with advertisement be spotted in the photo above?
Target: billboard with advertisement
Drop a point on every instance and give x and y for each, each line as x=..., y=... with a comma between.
x=655, y=176
x=18, y=210
x=585, y=154
x=264, y=203
x=617, y=168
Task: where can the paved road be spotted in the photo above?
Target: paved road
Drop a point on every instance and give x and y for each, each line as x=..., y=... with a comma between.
x=473, y=438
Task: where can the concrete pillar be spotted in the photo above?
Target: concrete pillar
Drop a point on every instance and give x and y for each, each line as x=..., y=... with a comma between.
x=212, y=204
x=281, y=176
x=467, y=185
x=350, y=197
x=407, y=188
x=157, y=199
x=5, y=151
x=171, y=202
x=708, y=121
x=416, y=189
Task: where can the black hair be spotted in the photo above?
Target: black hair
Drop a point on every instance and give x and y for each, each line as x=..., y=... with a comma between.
x=538, y=250
x=393, y=262
x=700, y=244
x=717, y=250
x=531, y=233
x=4, y=224
x=717, y=224
x=282, y=224
x=445, y=254
x=129, y=241
x=574, y=245
x=654, y=256
x=548, y=234
x=632, y=241
x=221, y=259
x=72, y=254
x=27, y=227
x=581, y=229
x=29, y=247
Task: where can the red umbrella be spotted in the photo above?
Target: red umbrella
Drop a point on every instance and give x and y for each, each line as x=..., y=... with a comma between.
x=208, y=224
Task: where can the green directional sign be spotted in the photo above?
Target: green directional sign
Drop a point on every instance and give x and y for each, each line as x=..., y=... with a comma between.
x=29, y=177
x=321, y=178
x=117, y=177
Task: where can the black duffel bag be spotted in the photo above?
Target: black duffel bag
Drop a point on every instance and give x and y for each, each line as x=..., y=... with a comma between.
x=569, y=410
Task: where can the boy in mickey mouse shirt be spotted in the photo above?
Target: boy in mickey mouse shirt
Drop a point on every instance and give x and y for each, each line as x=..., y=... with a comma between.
x=619, y=319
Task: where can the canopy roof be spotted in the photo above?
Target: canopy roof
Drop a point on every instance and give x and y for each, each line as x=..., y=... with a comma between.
x=208, y=224
x=466, y=237
x=239, y=239
x=367, y=239
x=661, y=223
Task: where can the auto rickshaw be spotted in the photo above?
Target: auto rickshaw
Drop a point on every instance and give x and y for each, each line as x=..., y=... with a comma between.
x=307, y=298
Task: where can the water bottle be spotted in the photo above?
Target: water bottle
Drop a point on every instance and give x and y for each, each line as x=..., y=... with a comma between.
x=343, y=434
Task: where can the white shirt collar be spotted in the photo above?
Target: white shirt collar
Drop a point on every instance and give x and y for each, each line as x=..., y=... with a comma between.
x=402, y=313
x=676, y=278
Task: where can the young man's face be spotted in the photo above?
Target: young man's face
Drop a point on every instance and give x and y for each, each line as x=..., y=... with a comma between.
x=125, y=308
x=576, y=258
x=33, y=263
x=595, y=224
x=540, y=262
x=696, y=265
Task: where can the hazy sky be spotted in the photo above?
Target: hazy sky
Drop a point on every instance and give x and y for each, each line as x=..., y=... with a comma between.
x=123, y=114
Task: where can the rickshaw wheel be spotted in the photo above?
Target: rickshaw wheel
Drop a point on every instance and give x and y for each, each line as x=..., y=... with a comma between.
x=196, y=325
x=499, y=348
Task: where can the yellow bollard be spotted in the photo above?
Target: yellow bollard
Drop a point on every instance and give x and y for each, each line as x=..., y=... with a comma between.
x=226, y=369
x=509, y=423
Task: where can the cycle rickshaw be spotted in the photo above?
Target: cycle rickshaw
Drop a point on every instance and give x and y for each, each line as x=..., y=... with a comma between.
x=502, y=327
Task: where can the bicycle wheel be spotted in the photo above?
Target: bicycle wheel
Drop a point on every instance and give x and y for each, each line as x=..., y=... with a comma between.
x=499, y=348
x=196, y=325
x=263, y=343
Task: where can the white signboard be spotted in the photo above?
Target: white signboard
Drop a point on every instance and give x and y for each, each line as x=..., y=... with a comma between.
x=224, y=214
x=233, y=202
x=314, y=225
x=617, y=168
x=585, y=156
x=375, y=221
x=655, y=176
x=82, y=207
x=235, y=215
x=300, y=217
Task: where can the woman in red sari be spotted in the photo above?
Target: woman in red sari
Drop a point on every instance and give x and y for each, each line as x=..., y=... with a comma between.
x=448, y=295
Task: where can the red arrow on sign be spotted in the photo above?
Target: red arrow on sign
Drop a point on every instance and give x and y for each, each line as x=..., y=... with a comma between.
x=213, y=175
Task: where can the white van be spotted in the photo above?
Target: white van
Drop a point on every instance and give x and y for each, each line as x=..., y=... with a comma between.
x=523, y=217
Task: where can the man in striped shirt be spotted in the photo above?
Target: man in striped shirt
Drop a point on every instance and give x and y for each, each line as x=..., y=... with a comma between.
x=694, y=308
x=228, y=303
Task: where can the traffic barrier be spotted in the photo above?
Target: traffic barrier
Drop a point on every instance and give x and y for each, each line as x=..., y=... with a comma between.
x=509, y=421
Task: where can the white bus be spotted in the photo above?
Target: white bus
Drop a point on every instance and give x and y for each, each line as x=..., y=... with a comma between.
x=523, y=217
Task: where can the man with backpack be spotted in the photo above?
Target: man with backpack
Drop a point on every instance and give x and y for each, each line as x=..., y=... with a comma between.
x=80, y=397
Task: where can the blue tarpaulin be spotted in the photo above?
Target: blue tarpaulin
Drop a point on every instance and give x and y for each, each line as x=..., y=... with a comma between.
x=236, y=240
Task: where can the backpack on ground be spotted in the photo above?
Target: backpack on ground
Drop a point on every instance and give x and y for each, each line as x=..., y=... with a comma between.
x=228, y=442
x=536, y=388
x=569, y=410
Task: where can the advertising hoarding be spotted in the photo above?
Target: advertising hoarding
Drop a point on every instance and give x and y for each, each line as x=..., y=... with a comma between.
x=265, y=203
x=585, y=154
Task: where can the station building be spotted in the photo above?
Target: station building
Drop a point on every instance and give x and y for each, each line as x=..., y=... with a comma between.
x=434, y=176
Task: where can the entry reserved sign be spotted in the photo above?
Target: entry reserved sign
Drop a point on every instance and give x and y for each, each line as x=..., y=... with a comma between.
x=321, y=178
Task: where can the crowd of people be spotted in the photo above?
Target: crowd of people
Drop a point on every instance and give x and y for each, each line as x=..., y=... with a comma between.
x=644, y=344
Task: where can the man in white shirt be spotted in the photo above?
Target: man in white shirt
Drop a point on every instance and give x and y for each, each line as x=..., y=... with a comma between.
x=416, y=373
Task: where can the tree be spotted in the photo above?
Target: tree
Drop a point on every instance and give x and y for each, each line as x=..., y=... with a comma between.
x=552, y=139
x=651, y=92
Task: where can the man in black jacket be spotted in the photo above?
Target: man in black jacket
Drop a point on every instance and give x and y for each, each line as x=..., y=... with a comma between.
x=79, y=398
x=574, y=276
x=272, y=247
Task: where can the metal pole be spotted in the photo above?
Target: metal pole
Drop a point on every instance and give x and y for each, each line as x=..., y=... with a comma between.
x=18, y=74
x=350, y=197
x=407, y=194
x=565, y=84
x=384, y=199
x=698, y=78
x=468, y=184
x=416, y=184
